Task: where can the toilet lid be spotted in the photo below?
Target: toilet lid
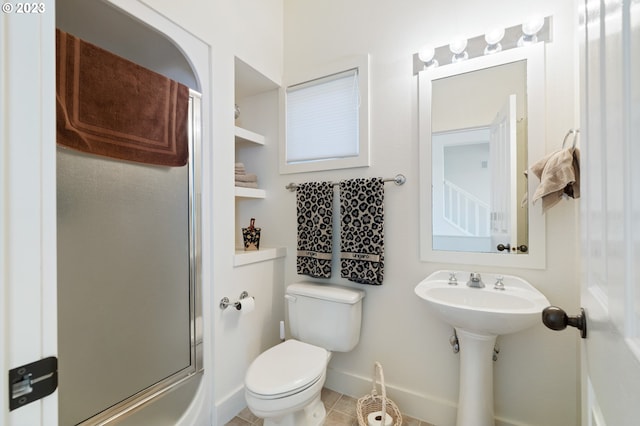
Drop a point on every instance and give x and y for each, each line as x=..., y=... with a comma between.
x=286, y=368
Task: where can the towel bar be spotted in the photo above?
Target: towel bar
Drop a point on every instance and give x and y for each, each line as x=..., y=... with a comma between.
x=399, y=179
x=575, y=137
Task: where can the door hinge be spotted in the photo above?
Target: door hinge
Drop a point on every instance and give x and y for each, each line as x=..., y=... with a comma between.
x=33, y=381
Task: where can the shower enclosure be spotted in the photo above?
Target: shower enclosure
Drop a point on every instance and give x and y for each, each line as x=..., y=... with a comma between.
x=129, y=266
x=127, y=281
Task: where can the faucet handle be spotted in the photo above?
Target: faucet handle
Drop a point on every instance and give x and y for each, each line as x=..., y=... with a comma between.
x=499, y=285
x=452, y=278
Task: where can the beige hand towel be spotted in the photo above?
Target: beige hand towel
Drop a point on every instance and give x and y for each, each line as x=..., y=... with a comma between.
x=239, y=168
x=247, y=184
x=249, y=177
x=559, y=173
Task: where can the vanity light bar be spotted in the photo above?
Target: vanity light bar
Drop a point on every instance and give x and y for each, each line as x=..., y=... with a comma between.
x=476, y=46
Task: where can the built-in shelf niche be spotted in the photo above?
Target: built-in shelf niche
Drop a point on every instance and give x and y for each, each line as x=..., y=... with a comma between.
x=243, y=134
x=247, y=136
x=242, y=192
x=255, y=132
x=242, y=258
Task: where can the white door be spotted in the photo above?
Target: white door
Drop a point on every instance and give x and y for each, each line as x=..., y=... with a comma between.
x=27, y=201
x=610, y=99
x=502, y=155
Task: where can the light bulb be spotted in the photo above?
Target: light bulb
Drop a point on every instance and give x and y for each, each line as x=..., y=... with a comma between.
x=533, y=26
x=457, y=47
x=530, y=30
x=426, y=55
x=493, y=38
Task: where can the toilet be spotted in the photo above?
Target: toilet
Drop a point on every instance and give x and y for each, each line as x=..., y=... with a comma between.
x=283, y=384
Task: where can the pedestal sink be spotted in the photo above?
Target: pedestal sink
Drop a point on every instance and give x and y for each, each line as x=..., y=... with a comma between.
x=479, y=316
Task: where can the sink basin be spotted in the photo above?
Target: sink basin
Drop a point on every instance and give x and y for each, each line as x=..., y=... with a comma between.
x=483, y=310
x=479, y=316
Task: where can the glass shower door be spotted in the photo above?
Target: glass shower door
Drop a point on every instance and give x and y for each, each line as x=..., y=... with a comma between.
x=127, y=280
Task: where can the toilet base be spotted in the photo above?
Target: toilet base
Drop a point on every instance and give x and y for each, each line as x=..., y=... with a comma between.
x=313, y=414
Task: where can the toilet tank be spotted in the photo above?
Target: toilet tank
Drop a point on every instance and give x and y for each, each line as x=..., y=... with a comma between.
x=325, y=315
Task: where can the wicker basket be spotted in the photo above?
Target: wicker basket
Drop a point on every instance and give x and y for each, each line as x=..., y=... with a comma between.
x=371, y=403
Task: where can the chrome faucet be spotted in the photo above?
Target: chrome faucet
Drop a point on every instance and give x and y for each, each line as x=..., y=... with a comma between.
x=475, y=280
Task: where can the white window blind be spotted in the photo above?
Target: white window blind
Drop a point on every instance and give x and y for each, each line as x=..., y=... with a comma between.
x=323, y=118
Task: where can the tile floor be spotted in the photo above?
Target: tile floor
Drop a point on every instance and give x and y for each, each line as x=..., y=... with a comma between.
x=341, y=411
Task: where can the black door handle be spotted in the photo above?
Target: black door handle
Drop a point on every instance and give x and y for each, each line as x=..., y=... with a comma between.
x=557, y=319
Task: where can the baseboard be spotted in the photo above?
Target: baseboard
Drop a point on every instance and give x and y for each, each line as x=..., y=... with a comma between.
x=424, y=407
x=229, y=406
x=420, y=406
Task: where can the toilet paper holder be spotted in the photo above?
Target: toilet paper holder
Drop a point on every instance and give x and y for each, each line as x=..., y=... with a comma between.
x=225, y=303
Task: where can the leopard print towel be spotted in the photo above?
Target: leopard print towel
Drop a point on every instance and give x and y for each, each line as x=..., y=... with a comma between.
x=362, y=230
x=315, y=220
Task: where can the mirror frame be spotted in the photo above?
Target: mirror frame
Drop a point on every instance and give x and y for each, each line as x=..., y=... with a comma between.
x=535, y=258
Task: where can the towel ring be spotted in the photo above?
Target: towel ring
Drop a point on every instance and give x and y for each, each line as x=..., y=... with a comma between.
x=575, y=138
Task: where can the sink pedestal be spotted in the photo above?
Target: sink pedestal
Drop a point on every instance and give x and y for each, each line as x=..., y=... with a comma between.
x=475, y=400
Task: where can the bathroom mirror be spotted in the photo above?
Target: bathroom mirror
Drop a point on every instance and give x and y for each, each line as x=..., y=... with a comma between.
x=481, y=125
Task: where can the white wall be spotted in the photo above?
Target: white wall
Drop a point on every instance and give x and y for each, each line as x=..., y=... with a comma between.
x=536, y=379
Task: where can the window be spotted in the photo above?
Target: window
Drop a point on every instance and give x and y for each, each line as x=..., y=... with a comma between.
x=326, y=122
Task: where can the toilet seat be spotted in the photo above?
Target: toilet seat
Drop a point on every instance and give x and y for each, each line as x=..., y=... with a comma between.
x=286, y=369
